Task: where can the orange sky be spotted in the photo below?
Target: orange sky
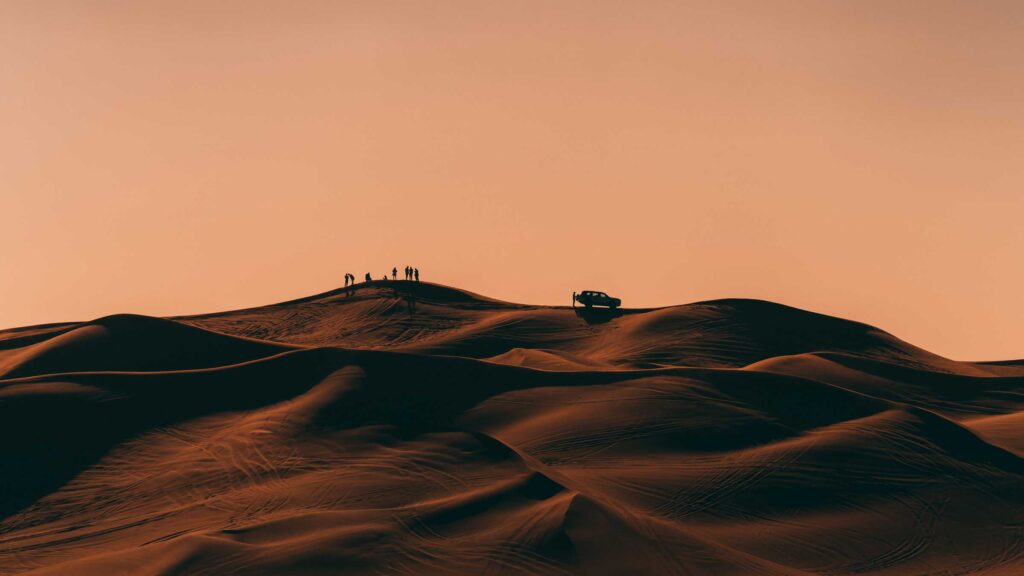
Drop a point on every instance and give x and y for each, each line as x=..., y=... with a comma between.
x=856, y=158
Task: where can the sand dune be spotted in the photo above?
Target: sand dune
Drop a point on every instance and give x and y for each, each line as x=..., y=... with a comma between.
x=418, y=429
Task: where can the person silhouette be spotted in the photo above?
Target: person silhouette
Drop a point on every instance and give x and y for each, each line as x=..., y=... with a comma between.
x=368, y=279
x=394, y=273
x=408, y=272
x=416, y=271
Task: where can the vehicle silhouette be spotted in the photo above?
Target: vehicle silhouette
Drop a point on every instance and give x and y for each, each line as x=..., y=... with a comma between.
x=591, y=298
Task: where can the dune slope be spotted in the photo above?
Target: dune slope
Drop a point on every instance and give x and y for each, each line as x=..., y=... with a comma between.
x=405, y=428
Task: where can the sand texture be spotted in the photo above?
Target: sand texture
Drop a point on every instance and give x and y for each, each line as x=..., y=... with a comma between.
x=406, y=428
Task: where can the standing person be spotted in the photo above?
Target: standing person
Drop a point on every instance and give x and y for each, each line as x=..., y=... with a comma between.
x=368, y=277
x=346, y=280
x=417, y=273
x=394, y=273
x=408, y=272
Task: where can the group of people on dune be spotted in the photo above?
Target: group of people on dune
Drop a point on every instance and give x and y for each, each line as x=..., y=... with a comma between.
x=410, y=274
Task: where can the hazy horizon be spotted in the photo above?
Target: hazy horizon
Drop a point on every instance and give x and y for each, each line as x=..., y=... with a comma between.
x=858, y=160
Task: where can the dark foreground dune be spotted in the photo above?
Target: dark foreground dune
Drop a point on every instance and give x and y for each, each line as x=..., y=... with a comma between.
x=417, y=429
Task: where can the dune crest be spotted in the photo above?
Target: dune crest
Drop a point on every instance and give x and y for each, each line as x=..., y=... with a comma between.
x=415, y=428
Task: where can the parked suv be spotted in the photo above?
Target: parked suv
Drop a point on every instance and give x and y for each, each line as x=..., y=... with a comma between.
x=591, y=298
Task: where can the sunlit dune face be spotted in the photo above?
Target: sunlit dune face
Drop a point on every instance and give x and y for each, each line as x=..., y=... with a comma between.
x=411, y=428
x=858, y=159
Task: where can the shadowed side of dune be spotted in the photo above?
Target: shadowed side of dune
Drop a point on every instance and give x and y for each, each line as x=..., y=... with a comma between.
x=64, y=425
x=407, y=428
x=369, y=461
x=955, y=394
x=337, y=474
x=129, y=342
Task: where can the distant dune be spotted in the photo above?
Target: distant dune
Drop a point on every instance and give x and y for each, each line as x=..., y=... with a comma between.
x=407, y=428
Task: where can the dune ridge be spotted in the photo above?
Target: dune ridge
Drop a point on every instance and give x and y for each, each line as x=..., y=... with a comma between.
x=414, y=428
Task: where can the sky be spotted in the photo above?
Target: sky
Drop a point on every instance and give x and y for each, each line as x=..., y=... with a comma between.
x=860, y=159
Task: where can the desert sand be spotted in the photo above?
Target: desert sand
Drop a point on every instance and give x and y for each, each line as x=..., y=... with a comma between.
x=364, y=433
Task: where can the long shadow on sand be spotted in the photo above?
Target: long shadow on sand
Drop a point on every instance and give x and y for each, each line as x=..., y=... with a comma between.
x=597, y=315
